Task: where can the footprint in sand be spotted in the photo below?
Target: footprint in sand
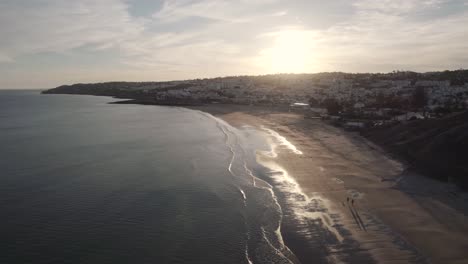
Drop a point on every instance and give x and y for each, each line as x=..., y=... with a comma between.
x=339, y=181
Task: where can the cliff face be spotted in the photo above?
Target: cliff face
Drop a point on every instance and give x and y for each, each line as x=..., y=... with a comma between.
x=437, y=148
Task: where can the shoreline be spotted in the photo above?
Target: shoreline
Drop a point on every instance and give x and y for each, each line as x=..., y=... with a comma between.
x=393, y=218
x=399, y=216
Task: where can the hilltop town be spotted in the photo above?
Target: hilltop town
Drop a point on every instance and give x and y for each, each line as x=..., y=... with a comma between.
x=352, y=98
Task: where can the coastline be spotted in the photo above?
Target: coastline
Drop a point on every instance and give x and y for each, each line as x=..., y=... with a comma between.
x=398, y=216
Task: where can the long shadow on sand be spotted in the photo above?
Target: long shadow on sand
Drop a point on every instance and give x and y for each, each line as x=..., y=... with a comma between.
x=357, y=218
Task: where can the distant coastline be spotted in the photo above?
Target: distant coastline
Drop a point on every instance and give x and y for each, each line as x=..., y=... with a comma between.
x=425, y=111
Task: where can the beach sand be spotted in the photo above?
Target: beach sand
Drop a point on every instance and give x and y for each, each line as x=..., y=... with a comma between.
x=397, y=216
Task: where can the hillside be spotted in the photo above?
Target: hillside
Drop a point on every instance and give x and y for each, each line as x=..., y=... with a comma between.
x=437, y=147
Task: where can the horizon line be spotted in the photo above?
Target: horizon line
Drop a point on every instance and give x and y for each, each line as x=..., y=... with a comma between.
x=236, y=76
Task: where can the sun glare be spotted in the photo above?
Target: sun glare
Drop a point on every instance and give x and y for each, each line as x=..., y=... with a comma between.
x=290, y=53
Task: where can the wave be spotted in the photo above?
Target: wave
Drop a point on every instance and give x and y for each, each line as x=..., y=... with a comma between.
x=262, y=211
x=281, y=141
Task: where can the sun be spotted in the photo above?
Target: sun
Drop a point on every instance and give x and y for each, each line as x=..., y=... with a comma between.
x=290, y=53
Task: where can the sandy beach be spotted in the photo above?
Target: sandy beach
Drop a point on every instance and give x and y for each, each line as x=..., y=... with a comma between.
x=392, y=216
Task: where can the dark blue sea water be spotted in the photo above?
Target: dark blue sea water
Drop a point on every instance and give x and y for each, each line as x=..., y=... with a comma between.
x=84, y=181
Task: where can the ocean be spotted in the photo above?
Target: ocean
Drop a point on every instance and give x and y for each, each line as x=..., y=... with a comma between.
x=85, y=181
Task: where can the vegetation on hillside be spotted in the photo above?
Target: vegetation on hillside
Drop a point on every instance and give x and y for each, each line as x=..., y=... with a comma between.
x=436, y=147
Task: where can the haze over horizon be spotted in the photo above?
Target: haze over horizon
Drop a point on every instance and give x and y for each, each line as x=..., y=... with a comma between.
x=46, y=43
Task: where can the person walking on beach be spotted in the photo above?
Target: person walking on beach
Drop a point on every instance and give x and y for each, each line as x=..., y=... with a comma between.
x=347, y=199
x=352, y=202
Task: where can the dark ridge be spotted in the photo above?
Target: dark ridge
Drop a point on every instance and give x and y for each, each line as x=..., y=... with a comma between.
x=124, y=89
x=435, y=147
x=160, y=102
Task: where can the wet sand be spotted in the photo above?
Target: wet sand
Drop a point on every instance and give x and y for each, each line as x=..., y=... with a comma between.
x=397, y=216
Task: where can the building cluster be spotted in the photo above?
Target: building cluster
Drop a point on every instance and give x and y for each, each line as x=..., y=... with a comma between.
x=363, y=93
x=352, y=98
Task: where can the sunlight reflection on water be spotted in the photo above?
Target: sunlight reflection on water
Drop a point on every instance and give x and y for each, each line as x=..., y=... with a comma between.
x=312, y=209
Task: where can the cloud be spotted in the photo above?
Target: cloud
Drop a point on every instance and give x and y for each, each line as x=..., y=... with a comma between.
x=178, y=39
x=383, y=36
x=396, y=7
x=60, y=25
x=143, y=8
x=218, y=10
x=4, y=58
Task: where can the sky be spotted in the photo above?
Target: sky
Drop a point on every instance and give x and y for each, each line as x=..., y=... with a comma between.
x=46, y=43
